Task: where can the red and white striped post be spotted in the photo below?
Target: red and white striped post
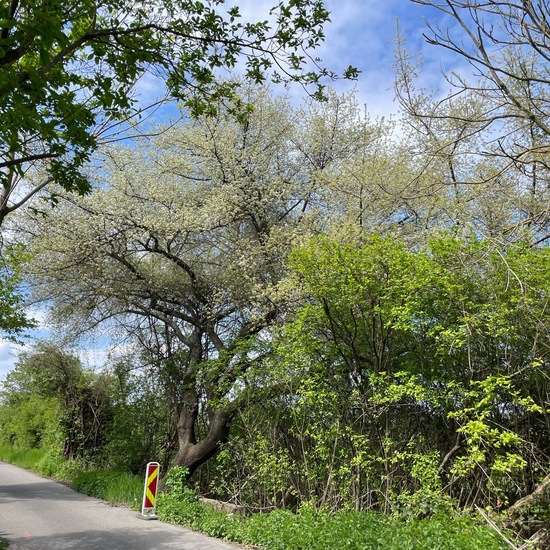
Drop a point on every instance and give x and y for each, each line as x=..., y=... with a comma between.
x=150, y=491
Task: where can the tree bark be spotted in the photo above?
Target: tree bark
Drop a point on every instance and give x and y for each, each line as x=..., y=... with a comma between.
x=536, y=531
x=191, y=454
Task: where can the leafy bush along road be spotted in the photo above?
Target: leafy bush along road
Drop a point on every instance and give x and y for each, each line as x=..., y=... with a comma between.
x=309, y=530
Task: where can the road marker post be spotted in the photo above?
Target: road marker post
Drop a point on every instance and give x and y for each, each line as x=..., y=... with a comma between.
x=150, y=491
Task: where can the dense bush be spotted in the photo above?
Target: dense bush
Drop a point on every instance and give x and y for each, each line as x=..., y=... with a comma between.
x=411, y=381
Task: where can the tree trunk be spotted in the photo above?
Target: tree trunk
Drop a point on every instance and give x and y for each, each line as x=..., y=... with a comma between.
x=541, y=495
x=191, y=454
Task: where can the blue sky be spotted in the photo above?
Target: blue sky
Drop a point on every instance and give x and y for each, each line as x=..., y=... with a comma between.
x=362, y=34
x=6, y=357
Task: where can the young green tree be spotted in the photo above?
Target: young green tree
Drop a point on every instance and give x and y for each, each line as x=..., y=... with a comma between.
x=142, y=426
x=49, y=400
x=413, y=373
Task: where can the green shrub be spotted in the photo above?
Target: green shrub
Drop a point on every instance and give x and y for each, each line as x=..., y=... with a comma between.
x=179, y=490
x=52, y=464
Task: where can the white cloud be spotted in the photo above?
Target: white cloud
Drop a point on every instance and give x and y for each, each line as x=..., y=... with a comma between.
x=363, y=34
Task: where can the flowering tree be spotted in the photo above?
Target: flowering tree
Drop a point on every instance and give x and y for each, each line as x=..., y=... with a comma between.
x=497, y=111
x=69, y=70
x=183, y=243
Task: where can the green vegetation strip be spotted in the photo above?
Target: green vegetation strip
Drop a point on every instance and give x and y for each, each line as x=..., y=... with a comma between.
x=116, y=487
x=313, y=530
x=279, y=530
x=24, y=458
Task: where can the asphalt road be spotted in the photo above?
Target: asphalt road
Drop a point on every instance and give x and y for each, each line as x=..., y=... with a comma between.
x=39, y=514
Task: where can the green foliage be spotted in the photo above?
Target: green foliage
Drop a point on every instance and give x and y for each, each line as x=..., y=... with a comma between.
x=141, y=427
x=480, y=434
x=25, y=458
x=28, y=422
x=50, y=400
x=180, y=503
x=402, y=381
x=54, y=464
x=178, y=497
x=177, y=481
x=197, y=517
x=310, y=529
x=12, y=317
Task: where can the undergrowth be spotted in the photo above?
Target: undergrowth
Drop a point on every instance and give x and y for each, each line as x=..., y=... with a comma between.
x=310, y=529
x=115, y=487
x=24, y=458
x=313, y=530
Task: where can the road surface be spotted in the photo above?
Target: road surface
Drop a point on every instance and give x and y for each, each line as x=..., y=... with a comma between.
x=39, y=514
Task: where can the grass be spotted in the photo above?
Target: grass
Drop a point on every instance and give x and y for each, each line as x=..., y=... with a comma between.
x=24, y=458
x=4, y=544
x=114, y=487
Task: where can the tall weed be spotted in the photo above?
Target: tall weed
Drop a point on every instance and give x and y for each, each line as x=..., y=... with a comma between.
x=115, y=487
